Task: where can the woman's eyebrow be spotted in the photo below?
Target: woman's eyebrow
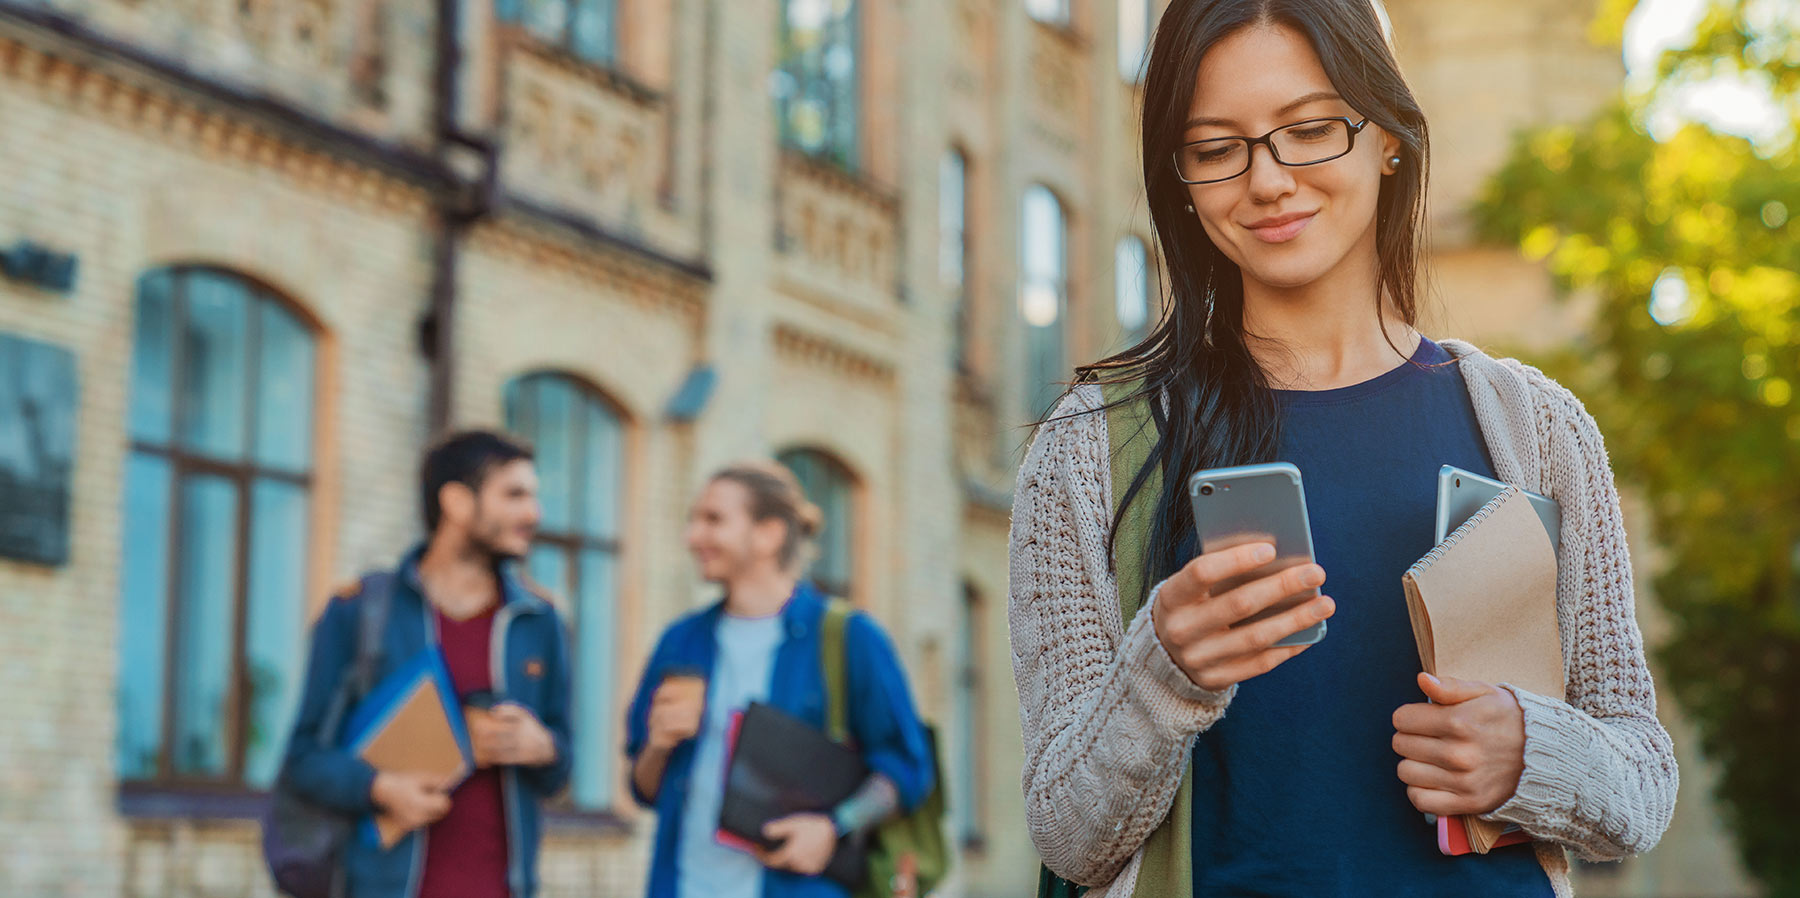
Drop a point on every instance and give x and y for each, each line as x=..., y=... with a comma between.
x=1313, y=97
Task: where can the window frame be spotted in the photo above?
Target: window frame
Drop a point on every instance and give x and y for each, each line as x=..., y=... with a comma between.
x=849, y=157
x=843, y=476
x=1145, y=282
x=1035, y=393
x=961, y=314
x=570, y=545
x=185, y=463
x=1134, y=75
x=564, y=44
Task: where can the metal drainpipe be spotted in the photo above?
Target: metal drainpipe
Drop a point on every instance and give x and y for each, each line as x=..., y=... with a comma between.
x=456, y=208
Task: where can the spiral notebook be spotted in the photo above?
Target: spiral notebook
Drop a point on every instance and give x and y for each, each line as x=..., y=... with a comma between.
x=1483, y=607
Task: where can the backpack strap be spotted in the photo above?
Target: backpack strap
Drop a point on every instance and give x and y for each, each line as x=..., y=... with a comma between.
x=1132, y=433
x=371, y=620
x=833, y=660
x=1167, y=870
x=377, y=595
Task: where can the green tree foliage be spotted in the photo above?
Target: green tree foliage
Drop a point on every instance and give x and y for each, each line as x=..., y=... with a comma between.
x=1689, y=248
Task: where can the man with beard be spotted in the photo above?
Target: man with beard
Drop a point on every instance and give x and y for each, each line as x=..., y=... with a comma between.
x=505, y=650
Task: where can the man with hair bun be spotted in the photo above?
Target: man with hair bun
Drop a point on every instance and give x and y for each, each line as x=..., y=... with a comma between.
x=751, y=532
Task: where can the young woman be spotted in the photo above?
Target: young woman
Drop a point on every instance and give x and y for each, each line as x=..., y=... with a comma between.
x=1284, y=163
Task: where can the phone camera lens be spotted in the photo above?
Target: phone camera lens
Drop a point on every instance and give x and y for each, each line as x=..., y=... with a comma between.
x=1206, y=489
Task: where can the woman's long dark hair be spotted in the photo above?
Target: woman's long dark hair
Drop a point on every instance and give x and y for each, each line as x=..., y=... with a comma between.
x=1212, y=404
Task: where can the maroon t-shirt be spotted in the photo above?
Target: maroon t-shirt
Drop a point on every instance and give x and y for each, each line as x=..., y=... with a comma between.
x=465, y=853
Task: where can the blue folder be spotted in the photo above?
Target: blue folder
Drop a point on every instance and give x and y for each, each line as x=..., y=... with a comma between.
x=377, y=710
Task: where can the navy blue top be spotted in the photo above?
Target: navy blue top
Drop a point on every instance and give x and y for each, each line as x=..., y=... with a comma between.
x=1295, y=789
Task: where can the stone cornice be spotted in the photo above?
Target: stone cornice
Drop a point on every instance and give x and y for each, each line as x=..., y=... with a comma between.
x=822, y=351
x=208, y=122
x=528, y=237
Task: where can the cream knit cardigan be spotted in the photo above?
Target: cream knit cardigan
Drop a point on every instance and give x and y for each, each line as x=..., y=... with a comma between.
x=1109, y=719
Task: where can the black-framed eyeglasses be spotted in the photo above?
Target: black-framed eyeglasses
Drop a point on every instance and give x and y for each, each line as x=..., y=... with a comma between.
x=1302, y=143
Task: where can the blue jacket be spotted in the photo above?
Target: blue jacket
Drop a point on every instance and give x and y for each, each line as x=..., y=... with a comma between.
x=530, y=667
x=883, y=722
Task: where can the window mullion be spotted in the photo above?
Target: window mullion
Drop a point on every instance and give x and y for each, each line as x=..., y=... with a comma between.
x=239, y=691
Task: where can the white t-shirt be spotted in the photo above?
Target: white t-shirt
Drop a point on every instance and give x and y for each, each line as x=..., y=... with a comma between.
x=741, y=675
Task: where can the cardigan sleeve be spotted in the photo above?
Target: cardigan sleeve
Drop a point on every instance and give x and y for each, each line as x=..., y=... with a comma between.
x=1600, y=773
x=1108, y=718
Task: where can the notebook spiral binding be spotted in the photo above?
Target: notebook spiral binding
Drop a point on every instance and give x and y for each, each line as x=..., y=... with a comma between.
x=1441, y=549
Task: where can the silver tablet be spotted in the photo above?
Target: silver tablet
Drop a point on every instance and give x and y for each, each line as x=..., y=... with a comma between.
x=1462, y=493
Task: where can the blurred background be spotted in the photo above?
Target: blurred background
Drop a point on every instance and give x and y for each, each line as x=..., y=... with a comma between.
x=254, y=253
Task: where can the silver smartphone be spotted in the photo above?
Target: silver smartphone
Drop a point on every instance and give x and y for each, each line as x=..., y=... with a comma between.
x=1462, y=493
x=1257, y=503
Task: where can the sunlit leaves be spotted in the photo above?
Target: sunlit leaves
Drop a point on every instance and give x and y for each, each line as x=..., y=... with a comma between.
x=1690, y=249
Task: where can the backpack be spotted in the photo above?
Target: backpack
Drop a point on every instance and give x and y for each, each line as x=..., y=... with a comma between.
x=907, y=854
x=302, y=841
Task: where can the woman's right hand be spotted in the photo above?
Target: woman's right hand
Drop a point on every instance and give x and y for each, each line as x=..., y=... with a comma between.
x=1197, y=628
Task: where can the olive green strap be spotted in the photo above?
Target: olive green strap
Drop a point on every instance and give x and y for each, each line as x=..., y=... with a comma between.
x=1167, y=870
x=831, y=657
x=1132, y=433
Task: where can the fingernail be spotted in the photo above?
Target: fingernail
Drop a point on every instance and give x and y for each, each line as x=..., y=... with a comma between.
x=1434, y=680
x=1325, y=608
x=1314, y=576
x=1264, y=552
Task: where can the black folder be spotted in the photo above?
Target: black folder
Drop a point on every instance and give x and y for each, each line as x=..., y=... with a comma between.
x=782, y=765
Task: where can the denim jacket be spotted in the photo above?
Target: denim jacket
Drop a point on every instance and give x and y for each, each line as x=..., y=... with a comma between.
x=530, y=667
x=883, y=722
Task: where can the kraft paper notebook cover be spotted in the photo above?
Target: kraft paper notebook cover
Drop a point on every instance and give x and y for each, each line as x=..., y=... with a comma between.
x=412, y=721
x=1483, y=607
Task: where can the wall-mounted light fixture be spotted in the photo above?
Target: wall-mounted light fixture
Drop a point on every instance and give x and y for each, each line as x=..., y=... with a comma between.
x=696, y=389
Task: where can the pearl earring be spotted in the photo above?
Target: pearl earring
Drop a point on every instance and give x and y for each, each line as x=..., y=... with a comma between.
x=1394, y=161
x=1190, y=207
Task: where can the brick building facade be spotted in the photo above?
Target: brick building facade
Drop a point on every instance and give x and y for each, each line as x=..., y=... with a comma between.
x=657, y=235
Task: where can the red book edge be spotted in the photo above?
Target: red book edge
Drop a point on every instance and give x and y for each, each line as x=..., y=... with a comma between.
x=1453, y=839
x=731, y=737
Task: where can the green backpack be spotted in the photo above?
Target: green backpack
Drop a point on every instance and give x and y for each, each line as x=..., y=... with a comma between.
x=919, y=833
x=1167, y=870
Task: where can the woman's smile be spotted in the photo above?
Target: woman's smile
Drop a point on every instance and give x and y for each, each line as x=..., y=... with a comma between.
x=1281, y=228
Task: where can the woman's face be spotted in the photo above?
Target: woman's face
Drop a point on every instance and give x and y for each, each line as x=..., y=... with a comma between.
x=1284, y=226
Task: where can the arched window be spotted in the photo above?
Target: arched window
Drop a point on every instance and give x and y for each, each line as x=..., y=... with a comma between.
x=1131, y=287
x=953, y=246
x=579, y=440
x=1043, y=296
x=816, y=79
x=212, y=572
x=587, y=29
x=829, y=484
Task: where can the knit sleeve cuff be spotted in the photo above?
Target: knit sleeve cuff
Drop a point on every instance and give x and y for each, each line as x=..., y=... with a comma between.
x=1156, y=683
x=1556, y=749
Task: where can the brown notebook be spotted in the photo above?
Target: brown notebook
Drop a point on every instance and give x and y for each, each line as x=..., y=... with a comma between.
x=1483, y=607
x=416, y=736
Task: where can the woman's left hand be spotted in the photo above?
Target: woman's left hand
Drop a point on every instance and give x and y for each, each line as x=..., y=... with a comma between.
x=1464, y=752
